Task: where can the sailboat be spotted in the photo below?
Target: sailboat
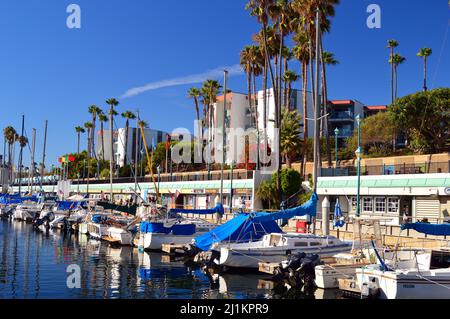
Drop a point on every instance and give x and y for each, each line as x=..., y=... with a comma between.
x=175, y=229
x=250, y=239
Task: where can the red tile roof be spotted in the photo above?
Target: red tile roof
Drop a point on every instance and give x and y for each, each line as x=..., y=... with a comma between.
x=376, y=107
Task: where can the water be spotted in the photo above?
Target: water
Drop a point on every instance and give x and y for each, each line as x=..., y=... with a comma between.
x=33, y=265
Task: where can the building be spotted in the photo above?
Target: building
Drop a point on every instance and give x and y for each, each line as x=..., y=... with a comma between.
x=343, y=117
x=127, y=152
x=374, y=109
x=418, y=197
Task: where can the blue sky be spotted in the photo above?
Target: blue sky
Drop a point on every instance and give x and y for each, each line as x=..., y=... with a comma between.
x=51, y=72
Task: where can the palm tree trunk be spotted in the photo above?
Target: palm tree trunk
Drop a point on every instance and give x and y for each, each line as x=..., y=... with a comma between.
x=392, y=75
x=94, y=120
x=305, y=115
x=425, y=89
x=103, y=141
x=127, y=127
x=78, y=148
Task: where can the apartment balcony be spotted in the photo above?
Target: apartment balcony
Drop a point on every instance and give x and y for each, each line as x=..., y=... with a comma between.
x=342, y=116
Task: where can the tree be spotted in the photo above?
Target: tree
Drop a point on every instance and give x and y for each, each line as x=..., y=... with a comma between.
x=290, y=135
x=11, y=136
x=396, y=60
x=289, y=78
x=424, y=118
x=127, y=115
x=103, y=119
x=392, y=44
x=424, y=53
x=376, y=136
x=112, y=112
x=23, y=141
x=79, y=130
x=94, y=110
x=210, y=90
x=195, y=93
x=327, y=59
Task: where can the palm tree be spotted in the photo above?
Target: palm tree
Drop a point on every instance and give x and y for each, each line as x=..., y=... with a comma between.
x=94, y=110
x=79, y=130
x=11, y=137
x=23, y=141
x=247, y=66
x=112, y=103
x=210, y=90
x=289, y=78
x=392, y=44
x=88, y=126
x=424, y=53
x=290, y=135
x=195, y=93
x=128, y=115
x=103, y=119
x=396, y=60
x=327, y=59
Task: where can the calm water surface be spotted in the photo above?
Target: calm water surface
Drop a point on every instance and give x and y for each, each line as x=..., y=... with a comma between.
x=33, y=265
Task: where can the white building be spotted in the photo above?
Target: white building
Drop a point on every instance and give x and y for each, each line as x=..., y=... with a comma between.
x=125, y=149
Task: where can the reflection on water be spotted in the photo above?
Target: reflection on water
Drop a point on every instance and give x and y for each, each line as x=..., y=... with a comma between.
x=33, y=265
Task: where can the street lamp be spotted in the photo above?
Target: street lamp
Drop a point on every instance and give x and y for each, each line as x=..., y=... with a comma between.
x=336, y=136
x=358, y=156
x=159, y=177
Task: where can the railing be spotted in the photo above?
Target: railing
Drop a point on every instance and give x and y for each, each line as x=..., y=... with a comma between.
x=176, y=177
x=397, y=169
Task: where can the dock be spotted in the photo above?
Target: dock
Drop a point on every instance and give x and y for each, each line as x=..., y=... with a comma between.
x=349, y=288
x=111, y=240
x=173, y=249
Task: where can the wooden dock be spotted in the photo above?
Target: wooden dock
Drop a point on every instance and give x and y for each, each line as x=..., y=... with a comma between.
x=268, y=268
x=111, y=240
x=172, y=249
x=349, y=288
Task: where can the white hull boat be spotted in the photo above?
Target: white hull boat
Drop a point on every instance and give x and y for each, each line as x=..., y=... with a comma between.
x=274, y=248
x=171, y=232
x=120, y=236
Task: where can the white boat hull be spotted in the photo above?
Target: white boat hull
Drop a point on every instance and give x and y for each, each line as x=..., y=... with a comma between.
x=155, y=241
x=327, y=277
x=124, y=237
x=250, y=258
x=408, y=285
x=97, y=231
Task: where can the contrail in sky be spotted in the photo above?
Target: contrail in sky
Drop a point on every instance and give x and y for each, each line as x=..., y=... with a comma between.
x=190, y=79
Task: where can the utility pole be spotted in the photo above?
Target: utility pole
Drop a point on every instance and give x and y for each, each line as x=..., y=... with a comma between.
x=225, y=75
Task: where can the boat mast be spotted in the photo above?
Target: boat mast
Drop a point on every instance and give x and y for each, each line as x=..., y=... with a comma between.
x=225, y=75
x=136, y=153
x=20, y=157
x=316, y=111
x=31, y=170
x=43, y=155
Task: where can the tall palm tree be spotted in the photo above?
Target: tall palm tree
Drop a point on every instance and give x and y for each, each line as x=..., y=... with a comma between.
x=290, y=134
x=23, y=141
x=392, y=44
x=94, y=110
x=112, y=104
x=11, y=137
x=210, y=90
x=88, y=126
x=396, y=60
x=195, y=93
x=424, y=53
x=289, y=78
x=79, y=130
x=128, y=115
x=102, y=119
x=327, y=59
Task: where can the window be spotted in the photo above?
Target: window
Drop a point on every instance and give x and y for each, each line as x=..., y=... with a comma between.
x=368, y=204
x=301, y=244
x=380, y=205
x=315, y=244
x=354, y=201
x=393, y=205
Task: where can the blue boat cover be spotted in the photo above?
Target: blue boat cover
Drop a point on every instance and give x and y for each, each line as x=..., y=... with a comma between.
x=253, y=226
x=216, y=210
x=177, y=229
x=16, y=199
x=429, y=229
x=68, y=205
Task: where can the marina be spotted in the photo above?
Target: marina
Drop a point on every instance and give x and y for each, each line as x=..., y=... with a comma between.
x=267, y=178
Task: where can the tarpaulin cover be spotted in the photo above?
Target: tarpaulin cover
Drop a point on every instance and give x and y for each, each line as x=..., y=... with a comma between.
x=68, y=205
x=429, y=229
x=131, y=210
x=14, y=199
x=177, y=229
x=253, y=226
x=97, y=219
x=216, y=210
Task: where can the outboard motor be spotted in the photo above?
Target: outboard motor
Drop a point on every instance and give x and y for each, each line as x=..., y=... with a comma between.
x=299, y=271
x=45, y=219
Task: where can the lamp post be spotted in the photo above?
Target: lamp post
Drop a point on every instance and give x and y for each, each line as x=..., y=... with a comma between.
x=336, y=136
x=159, y=177
x=358, y=156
